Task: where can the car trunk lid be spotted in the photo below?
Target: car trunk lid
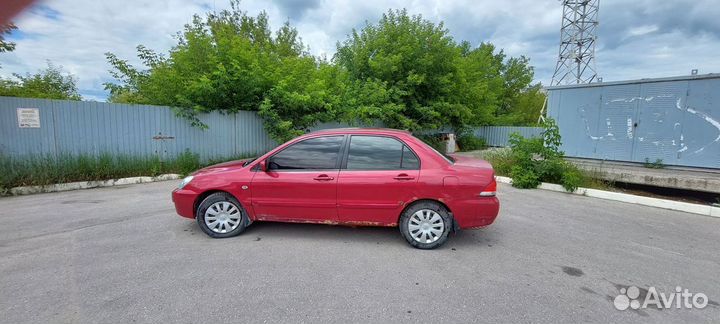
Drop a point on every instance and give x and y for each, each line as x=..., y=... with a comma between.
x=468, y=161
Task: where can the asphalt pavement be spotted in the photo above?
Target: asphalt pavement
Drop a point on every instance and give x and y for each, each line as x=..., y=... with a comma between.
x=122, y=255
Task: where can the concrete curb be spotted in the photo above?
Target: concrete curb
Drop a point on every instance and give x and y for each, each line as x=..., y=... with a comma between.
x=27, y=190
x=704, y=210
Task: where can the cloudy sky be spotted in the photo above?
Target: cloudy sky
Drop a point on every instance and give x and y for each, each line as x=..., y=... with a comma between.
x=637, y=39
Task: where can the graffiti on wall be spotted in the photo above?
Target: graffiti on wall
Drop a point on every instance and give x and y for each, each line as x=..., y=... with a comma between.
x=677, y=122
x=609, y=133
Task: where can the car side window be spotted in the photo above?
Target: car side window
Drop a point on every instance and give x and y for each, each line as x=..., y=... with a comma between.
x=409, y=160
x=314, y=153
x=379, y=153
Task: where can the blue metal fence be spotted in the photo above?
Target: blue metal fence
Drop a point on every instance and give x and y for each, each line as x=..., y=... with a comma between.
x=81, y=127
x=75, y=127
x=498, y=136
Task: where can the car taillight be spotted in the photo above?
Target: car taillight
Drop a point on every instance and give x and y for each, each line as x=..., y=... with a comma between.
x=489, y=190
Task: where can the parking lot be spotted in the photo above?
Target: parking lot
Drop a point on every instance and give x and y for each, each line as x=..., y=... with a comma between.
x=122, y=255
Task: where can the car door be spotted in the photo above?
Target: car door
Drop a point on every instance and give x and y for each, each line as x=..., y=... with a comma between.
x=378, y=175
x=300, y=183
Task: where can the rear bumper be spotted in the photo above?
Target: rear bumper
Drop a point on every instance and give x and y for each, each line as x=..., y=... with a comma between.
x=476, y=213
x=184, y=201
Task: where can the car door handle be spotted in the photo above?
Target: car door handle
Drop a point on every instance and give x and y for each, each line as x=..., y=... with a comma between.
x=403, y=176
x=323, y=177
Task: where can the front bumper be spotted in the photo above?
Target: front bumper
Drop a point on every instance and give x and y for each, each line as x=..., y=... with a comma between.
x=184, y=202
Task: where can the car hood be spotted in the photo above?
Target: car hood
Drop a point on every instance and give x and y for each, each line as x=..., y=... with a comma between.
x=230, y=165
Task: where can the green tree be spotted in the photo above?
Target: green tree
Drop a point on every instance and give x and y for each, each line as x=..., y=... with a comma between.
x=6, y=46
x=302, y=97
x=404, y=71
x=524, y=108
x=229, y=61
x=517, y=74
x=50, y=83
x=411, y=74
x=409, y=63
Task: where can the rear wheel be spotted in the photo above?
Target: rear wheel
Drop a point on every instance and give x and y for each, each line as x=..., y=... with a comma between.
x=221, y=215
x=426, y=225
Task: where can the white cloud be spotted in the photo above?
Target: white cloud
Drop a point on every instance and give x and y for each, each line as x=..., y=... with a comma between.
x=660, y=55
x=636, y=40
x=642, y=30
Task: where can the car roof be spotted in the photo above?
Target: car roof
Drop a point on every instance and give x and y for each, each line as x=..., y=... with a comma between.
x=362, y=130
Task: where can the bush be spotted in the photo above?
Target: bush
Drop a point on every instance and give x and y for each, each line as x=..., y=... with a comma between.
x=530, y=161
x=524, y=178
x=470, y=142
x=572, y=178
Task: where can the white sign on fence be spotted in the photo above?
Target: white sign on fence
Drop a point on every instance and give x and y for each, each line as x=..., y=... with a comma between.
x=28, y=117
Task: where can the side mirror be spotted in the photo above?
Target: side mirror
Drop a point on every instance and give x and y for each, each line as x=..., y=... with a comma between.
x=263, y=166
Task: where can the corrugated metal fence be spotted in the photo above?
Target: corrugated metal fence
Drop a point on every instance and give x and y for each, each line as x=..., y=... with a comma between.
x=81, y=127
x=499, y=135
x=75, y=127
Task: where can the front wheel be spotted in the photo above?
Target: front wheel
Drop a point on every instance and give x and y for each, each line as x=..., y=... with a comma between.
x=426, y=225
x=221, y=215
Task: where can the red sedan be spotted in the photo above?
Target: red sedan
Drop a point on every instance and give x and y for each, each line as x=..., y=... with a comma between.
x=373, y=177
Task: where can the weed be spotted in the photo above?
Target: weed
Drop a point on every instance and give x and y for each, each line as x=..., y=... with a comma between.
x=49, y=169
x=658, y=164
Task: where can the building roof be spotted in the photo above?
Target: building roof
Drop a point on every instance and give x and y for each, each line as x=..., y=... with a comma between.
x=648, y=80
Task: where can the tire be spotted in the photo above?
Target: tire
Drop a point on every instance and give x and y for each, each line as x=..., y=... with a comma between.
x=426, y=225
x=220, y=215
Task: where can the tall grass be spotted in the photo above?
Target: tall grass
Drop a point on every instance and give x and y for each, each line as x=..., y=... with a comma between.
x=502, y=160
x=48, y=169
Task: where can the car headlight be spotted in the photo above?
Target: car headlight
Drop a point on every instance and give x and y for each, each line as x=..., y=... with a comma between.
x=185, y=182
